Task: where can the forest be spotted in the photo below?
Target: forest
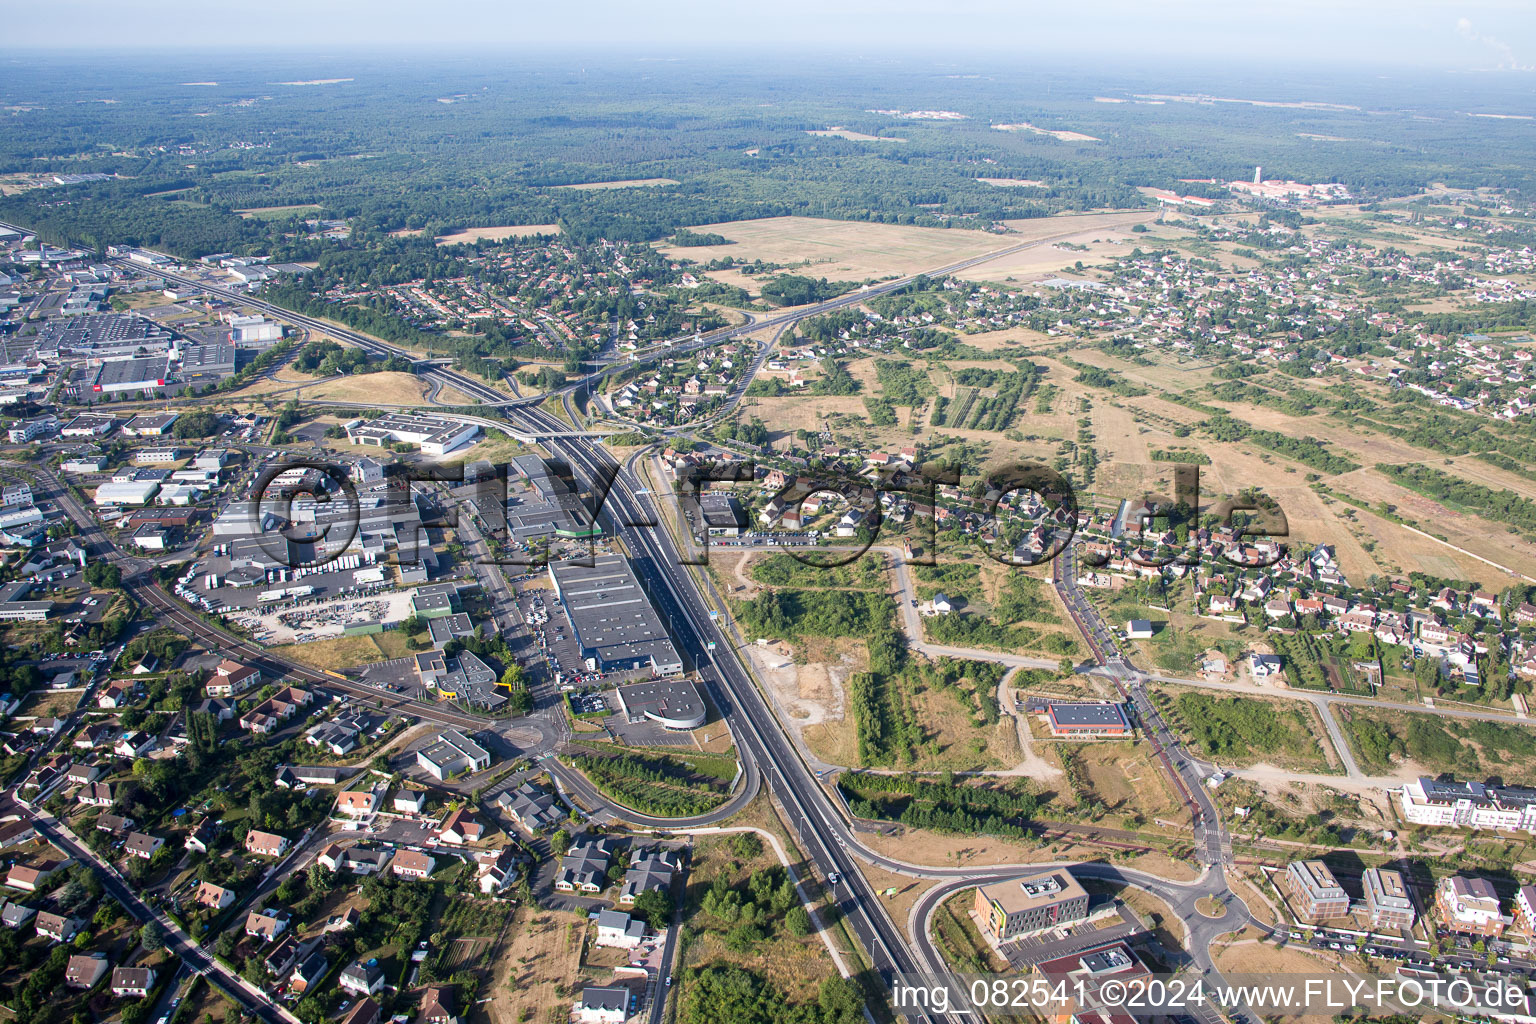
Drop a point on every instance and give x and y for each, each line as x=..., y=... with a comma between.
x=380, y=149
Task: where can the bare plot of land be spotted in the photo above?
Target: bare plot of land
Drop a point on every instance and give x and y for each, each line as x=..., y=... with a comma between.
x=626, y=183
x=497, y=234
x=851, y=136
x=1012, y=182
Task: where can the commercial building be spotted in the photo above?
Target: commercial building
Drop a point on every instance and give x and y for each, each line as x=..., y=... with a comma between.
x=89, y=424
x=434, y=435
x=1387, y=899
x=451, y=753
x=1021, y=905
x=672, y=703
x=1075, y=720
x=206, y=364
x=611, y=617
x=254, y=331
x=1471, y=805
x=1096, y=978
x=151, y=424
x=1318, y=895
x=1468, y=905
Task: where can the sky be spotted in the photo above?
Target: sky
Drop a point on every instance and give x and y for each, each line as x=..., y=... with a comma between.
x=1474, y=35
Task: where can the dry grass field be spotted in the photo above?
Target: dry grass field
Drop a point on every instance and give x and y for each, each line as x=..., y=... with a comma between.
x=496, y=234
x=277, y=212
x=542, y=965
x=842, y=250
x=1106, y=236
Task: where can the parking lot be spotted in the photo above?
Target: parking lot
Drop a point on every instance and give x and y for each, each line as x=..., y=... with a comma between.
x=646, y=733
x=397, y=675
x=1030, y=950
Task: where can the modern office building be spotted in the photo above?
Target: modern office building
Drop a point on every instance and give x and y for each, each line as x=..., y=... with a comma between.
x=1022, y=905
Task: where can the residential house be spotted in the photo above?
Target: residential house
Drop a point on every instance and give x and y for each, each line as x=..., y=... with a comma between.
x=603, y=1004
x=267, y=924
x=214, y=897
x=362, y=978
x=85, y=971
x=618, y=929
x=308, y=973
x=412, y=864
x=142, y=845
x=97, y=794
x=460, y=828
x=584, y=868
x=265, y=844
x=437, y=1006
x=1469, y=905
x=652, y=869
x=58, y=927
x=132, y=981
x=231, y=678
x=364, y=1011
x=356, y=803
x=533, y=808
x=31, y=877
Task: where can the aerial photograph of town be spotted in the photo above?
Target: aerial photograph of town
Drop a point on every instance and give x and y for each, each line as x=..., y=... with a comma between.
x=839, y=513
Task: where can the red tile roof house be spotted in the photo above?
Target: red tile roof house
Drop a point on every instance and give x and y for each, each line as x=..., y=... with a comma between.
x=436, y=1006
x=410, y=864
x=214, y=897
x=265, y=844
x=357, y=802
x=231, y=678
x=28, y=877
x=460, y=828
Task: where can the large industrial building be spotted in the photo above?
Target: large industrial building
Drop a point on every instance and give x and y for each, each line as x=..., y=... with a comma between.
x=611, y=617
x=432, y=434
x=1029, y=904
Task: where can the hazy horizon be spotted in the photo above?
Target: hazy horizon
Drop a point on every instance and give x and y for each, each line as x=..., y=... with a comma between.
x=1432, y=35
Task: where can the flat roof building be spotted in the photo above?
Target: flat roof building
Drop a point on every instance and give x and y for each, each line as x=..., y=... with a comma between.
x=452, y=752
x=611, y=617
x=1022, y=905
x=1087, y=720
x=1387, y=899
x=673, y=703
x=1319, y=896
x=433, y=435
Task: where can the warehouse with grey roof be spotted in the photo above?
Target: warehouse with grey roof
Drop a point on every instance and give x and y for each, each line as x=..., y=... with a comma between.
x=611, y=617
